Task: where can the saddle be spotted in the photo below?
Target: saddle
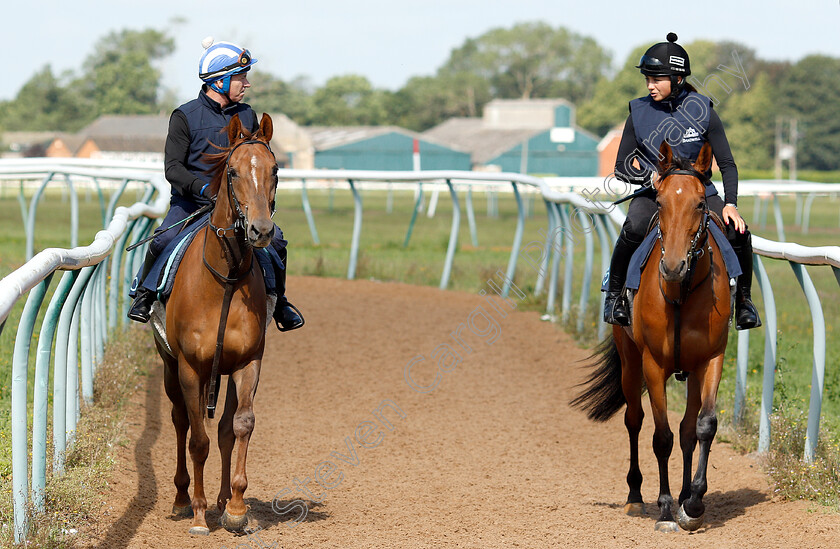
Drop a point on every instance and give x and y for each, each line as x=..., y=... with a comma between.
x=642, y=253
x=161, y=277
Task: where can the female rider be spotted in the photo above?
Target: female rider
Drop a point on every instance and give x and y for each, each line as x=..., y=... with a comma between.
x=675, y=112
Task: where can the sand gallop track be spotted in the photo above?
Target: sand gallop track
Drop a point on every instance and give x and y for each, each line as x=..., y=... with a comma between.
x=490, y=455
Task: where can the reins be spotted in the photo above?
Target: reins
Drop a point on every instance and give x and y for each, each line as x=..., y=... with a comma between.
x=693, y=255
x=233, y=257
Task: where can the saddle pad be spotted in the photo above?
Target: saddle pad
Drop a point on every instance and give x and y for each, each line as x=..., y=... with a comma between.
x=640, y=256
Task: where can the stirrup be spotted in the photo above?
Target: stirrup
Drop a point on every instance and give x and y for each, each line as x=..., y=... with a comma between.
x=295, y=327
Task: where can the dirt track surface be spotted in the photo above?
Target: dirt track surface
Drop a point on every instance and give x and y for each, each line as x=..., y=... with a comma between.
x=491, y=457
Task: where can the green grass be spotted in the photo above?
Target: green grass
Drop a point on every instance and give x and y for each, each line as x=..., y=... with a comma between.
x=74, y=498
x=52, y=230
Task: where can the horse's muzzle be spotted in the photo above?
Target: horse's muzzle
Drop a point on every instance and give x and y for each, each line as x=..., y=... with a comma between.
x=260, y=232
x=673, y=273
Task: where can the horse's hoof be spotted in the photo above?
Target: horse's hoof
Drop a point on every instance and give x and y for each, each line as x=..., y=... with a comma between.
x=233, y=523
x=182, y=510
x=200, y=531
x=635, y=509
x=667, y=526
x=689, y=523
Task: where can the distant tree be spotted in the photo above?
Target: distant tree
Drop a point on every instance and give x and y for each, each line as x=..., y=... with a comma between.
x=810, y=92
x=274, y=95
x=749, y=120
x=531, y=60
x=608, y=105
x=120, y=75
x=46, y=102
x=426, y=101
x=349, y=100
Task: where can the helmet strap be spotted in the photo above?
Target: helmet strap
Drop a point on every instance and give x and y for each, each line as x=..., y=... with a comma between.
x=676, y=86
x=224, y=90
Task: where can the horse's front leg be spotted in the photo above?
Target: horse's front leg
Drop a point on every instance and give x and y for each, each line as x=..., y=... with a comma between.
x=663, y=441
x=226, y=441
x=193, y=389
x=235, y=516
x=688, y=433
x=692, y=510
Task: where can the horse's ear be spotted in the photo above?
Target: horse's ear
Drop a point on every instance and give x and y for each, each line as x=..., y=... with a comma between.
x=704, y=159
x=234, y=129
x=266, y=127
x=666, y=156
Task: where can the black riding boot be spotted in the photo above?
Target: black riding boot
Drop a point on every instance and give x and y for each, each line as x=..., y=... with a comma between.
x=746, y=315
x=616, y=308
x=286, y=315
x=141, y=309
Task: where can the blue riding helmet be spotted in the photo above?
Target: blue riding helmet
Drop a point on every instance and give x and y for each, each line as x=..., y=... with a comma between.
x=220, y=61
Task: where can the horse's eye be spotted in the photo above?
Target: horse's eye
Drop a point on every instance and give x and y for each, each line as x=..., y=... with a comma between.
x=658, y=205
x=700, y=206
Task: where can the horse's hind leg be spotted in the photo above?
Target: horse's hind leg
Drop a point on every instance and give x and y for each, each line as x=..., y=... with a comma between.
x=226, y=441
x=181, y=421
x=235, y=516
x=692, y=510
x=631, y=385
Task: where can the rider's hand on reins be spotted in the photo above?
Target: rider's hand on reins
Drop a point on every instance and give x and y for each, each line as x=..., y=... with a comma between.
x=730, y=212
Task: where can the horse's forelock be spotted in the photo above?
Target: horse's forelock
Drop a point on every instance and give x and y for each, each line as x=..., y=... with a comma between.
x=680, y=163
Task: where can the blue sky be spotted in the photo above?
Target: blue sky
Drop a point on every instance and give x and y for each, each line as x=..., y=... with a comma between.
x=389, y=41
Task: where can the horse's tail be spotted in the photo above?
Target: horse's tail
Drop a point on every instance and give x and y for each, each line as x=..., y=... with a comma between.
x=602, y=396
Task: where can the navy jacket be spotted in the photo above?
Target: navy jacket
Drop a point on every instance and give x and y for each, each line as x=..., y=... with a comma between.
x=687, y=122
x=192, y=128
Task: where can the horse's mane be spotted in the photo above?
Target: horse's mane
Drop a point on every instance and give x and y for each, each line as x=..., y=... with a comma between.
x=217, y=160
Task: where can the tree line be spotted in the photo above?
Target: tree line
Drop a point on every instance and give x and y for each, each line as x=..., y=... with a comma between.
x=527, y=60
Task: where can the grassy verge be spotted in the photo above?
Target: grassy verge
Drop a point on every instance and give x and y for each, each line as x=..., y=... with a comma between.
x=73, y=499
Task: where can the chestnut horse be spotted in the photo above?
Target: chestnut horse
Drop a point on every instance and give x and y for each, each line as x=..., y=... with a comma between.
x=680, y=324
x=218, y=264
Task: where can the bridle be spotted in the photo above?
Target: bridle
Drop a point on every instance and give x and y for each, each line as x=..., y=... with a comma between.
x=233, y=257
x=695, y=252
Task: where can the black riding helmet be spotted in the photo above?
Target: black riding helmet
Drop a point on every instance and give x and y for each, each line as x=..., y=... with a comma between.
x=666, y=59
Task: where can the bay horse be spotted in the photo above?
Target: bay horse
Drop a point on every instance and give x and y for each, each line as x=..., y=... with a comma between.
x=680, y=324
x=218, y=272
